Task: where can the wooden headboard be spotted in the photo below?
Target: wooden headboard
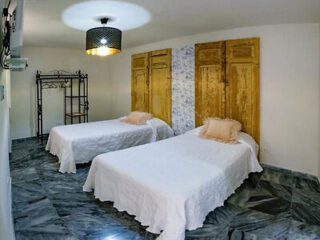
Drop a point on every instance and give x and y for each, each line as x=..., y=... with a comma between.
x=140, y=82
x=227, y=83
x=151, y=83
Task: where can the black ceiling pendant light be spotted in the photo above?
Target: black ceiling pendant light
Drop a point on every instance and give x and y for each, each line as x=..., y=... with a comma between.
x=103, y=41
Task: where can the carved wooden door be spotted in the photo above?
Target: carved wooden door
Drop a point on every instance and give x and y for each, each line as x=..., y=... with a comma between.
x=209, y=81
x=160, y=84
x=242, y=84
x=140, y=82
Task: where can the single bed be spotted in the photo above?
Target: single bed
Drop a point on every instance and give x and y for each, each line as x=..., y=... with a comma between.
x=171, y=185
x=80, y=143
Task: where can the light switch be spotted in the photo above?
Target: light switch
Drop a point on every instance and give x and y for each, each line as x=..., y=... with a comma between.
x=1, y=92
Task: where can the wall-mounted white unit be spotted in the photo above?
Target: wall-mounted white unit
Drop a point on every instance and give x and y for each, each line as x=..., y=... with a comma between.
x=17, y=64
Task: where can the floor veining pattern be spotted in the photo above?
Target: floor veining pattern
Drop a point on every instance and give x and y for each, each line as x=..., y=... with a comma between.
x=276, y=204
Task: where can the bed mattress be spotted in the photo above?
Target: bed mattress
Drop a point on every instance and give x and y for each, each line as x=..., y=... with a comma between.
x=171, y=185
x=80, y=143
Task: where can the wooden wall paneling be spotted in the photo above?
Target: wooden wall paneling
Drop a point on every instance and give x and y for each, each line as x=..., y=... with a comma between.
x=243, y=84
x=140, y=82
x=209, y=81
x=160, y=84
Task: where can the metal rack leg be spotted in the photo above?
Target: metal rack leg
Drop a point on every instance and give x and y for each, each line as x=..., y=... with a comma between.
x=71, y=100
x=79, y=98
x=41, y=120
x=65, y=104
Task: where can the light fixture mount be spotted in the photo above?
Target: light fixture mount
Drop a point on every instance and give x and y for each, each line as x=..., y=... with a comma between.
x=104, y=20
x=103, y=41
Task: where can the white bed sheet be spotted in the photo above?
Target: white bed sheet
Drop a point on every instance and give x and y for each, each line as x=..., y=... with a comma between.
x=80, y=143
x=171, y=185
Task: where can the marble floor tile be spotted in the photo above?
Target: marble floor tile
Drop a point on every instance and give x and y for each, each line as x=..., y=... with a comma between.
x=241, y=197
x=303, y=231
x=84, y=226
x=208, y=231
x=306, y=184
x=36, y=216
x=309, y=198
x=305, y=213
x=27, y=162
x=267, y=197
x=68, y=206
x=273, y=176
x=217, y=224
x=262, y=224
x=24, y=175
x=277, y=190
x=27, y=192
x=223, y=215
x=18, y=154
x=27, y=235
x=270, y=205
x=274, y=204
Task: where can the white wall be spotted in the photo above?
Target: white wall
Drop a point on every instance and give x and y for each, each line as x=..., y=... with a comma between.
x=6, y=223
x=6, y=226
x=289, y=89
x=23, y=84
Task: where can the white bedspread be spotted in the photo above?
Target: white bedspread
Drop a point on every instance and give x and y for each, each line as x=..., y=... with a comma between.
x=173, y=184
x=80, y=143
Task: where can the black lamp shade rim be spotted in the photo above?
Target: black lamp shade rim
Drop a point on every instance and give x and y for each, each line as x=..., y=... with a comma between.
x=102, y=52
x=92, y=29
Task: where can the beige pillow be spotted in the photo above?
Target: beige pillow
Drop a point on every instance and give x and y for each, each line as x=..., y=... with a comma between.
x=223, y=130
x=137, y=118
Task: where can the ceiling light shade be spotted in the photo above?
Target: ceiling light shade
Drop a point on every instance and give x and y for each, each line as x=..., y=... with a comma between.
x=103, y=41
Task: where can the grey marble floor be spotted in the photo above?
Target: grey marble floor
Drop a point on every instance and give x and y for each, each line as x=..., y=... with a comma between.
x=277, y=204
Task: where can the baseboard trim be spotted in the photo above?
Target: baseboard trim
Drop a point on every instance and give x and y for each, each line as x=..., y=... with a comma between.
x=289, y=172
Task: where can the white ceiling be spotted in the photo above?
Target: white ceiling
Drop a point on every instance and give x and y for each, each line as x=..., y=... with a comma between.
x=86, y=15
x=170, y=18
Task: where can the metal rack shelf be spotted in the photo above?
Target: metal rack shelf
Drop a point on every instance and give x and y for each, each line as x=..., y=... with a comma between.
x=70, y=82
x=74, y=96
x=76, y=114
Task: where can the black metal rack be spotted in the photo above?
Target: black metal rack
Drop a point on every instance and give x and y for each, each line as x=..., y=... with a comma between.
x=75, y=92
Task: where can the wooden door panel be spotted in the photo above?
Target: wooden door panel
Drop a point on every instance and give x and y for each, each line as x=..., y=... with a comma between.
x=158, y=96
x=211, y=90
x=242, y=84
x=162, y=52
x=160, y=84
x=209, y=55
x=159, y=61
x=140, y=82
x=209, y=81
x=140, y=95
x=243, y=50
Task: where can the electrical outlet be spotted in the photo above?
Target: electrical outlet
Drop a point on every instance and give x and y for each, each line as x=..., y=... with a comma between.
x=1, y=92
